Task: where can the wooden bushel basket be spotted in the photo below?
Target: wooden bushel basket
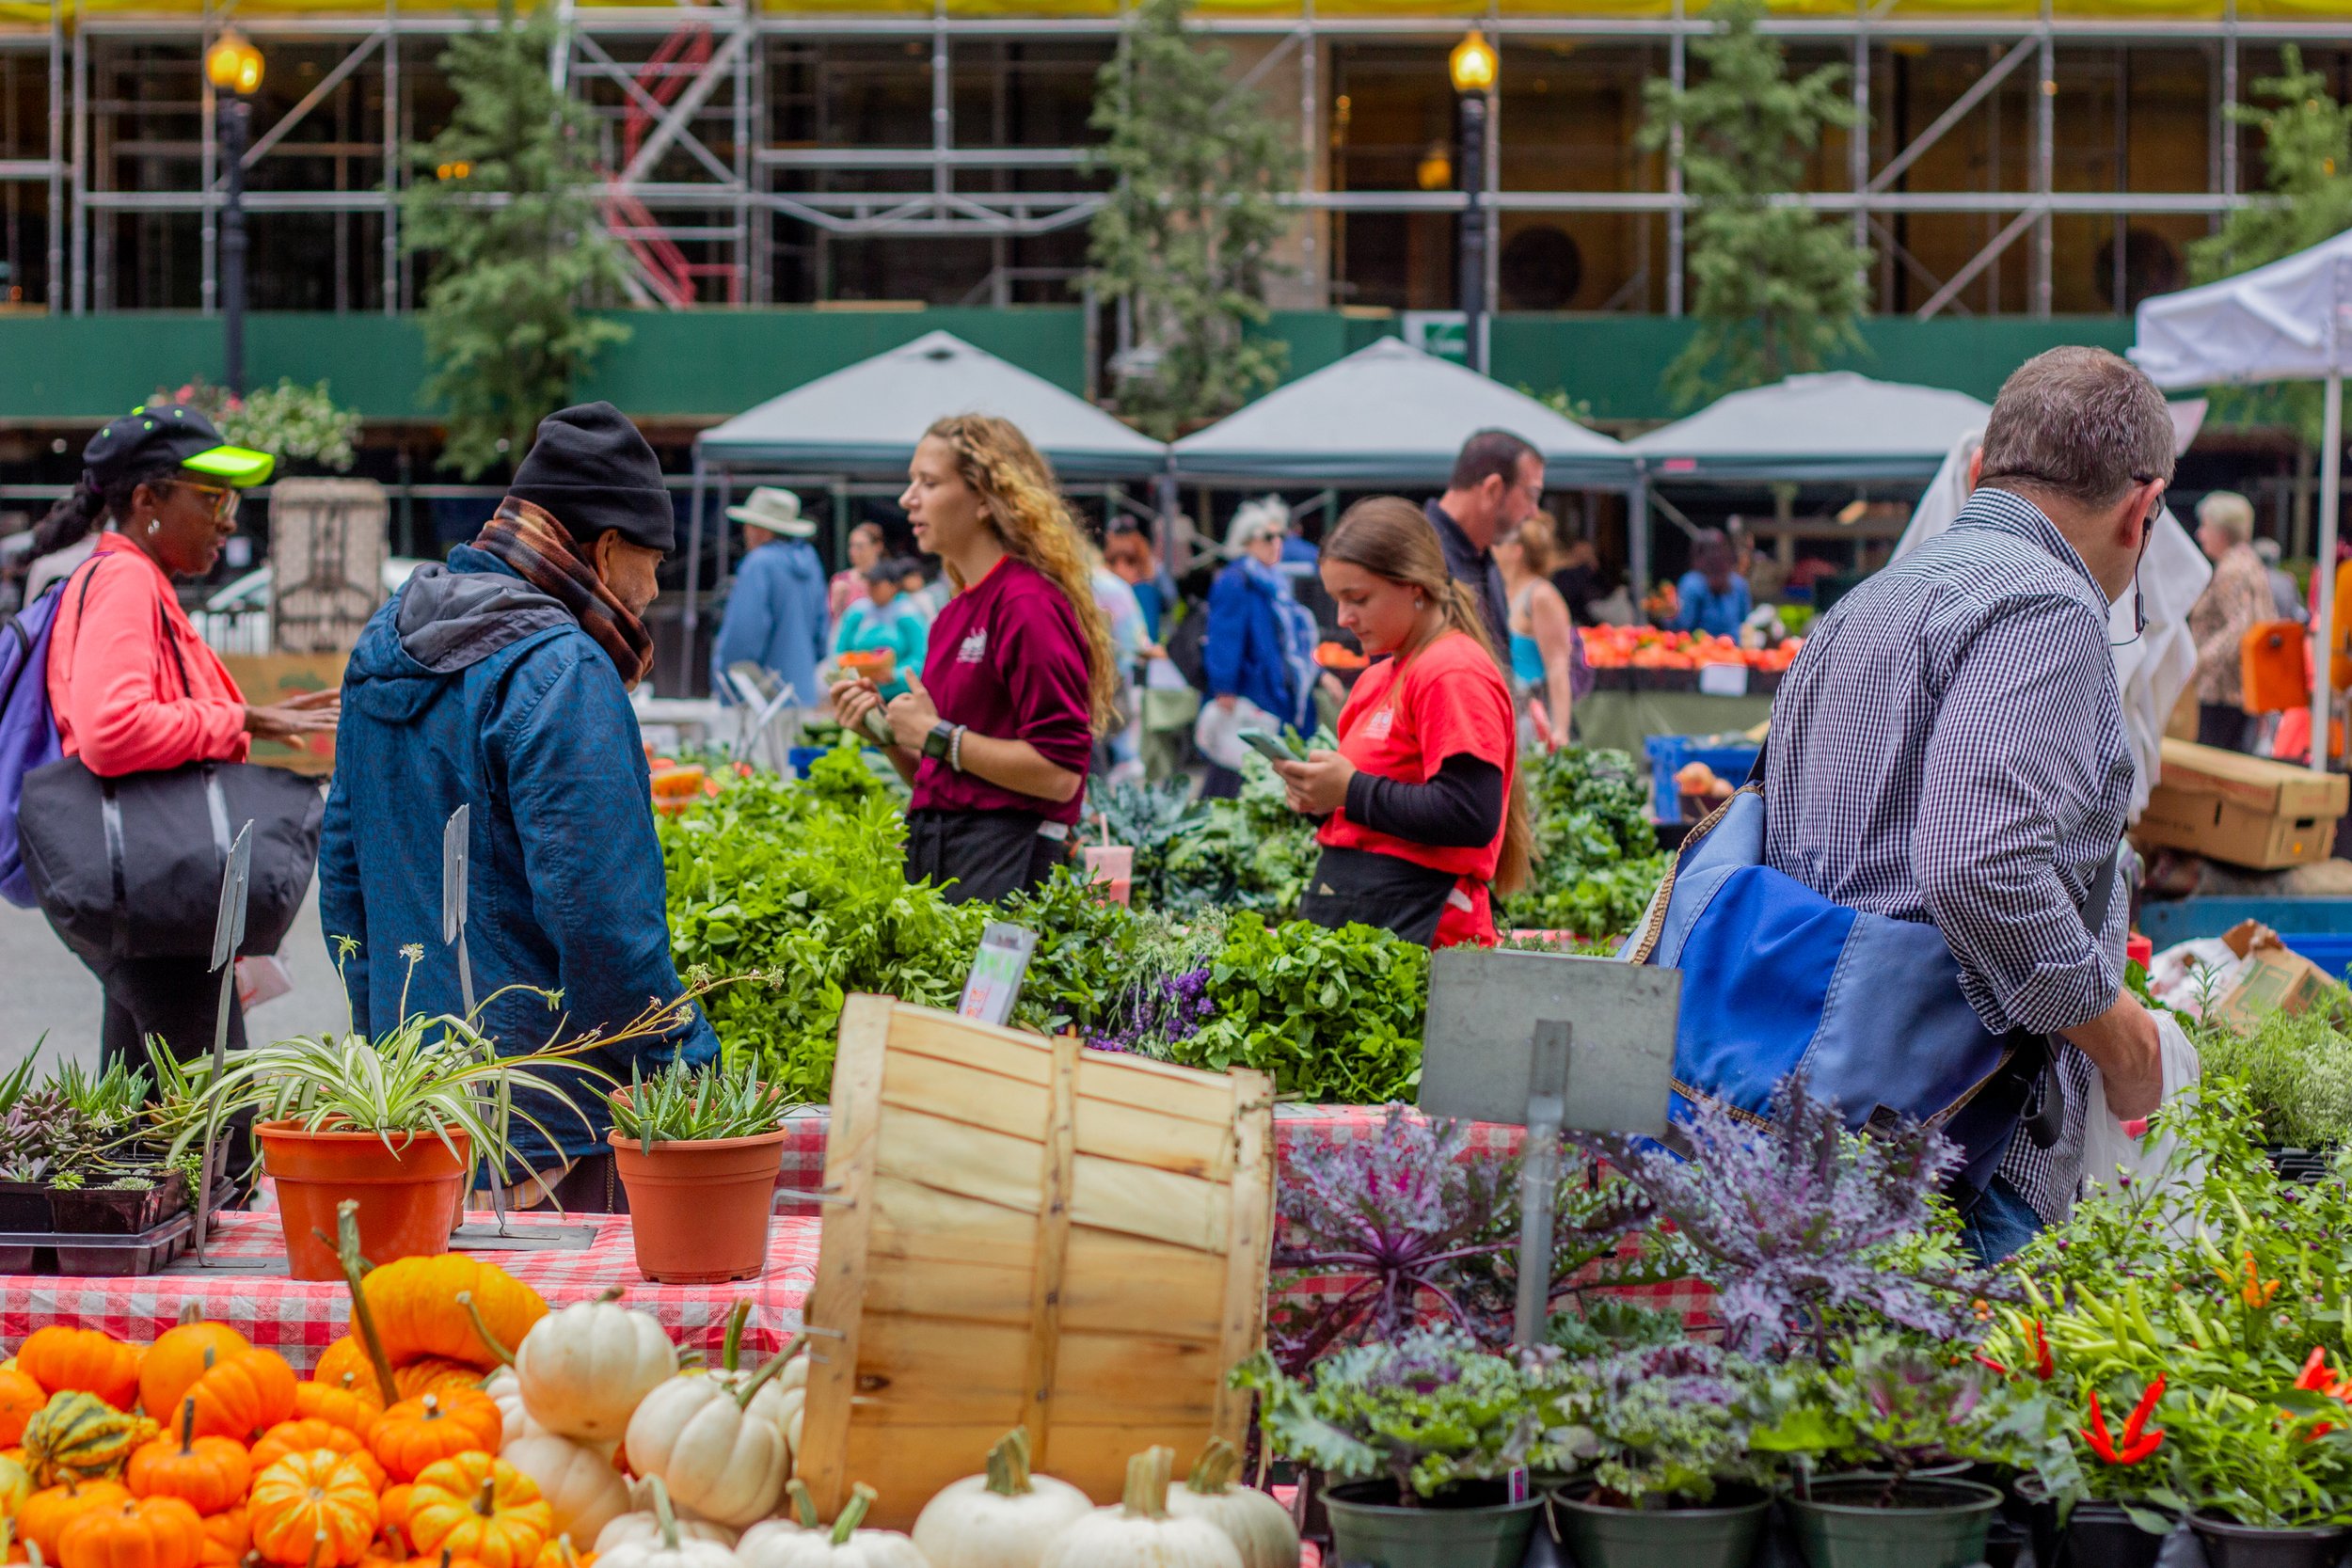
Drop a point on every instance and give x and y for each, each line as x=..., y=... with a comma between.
x=1026, y=1232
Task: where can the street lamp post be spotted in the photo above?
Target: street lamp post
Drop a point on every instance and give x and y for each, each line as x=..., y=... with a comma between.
x=1472, y=66
x=234, y=66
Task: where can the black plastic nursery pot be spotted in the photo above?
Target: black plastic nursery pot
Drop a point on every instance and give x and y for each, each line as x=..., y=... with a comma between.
x=2229, y=1544
x=1875, y=1522
x=1473, y=1525
x=25, y=1206
x=1721, y=1535
x=117, y=1211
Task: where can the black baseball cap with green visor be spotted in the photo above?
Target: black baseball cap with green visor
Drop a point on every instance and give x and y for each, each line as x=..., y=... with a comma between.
x=159, y=435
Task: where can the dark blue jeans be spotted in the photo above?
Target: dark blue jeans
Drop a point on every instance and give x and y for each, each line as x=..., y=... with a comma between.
x=1998, y=1222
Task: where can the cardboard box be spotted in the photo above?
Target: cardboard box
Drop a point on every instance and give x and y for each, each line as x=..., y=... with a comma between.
x=2273, y=979
x=267, y=678
x=2240, y=810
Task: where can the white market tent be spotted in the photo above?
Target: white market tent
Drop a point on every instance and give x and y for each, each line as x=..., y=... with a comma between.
x=1388, y=415
x=863, y=422
x=866, y=420
x=2285, y=322
x=1835, y=425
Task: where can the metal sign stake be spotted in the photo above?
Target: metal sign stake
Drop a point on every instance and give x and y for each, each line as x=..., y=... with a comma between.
x=455, y=837
x=228, y=936
x=1539, y=1179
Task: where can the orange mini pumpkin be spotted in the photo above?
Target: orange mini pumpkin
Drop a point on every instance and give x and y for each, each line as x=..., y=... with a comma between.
x=302, y=1436
x=313, y=1510
x=417, y=1315
x=21, y=1398
x=393, y=1519
x=477, y=1505
x=434, y=1374
x=418, y=1433
x=150, y=1532
x=228, y=1537
x=46, y=1513
x=349, y=1403
x=441, y=1559
x=344, y=1364
x=178, y=1357
x=61, y=1358
x=207, y=1473
x=243, y=1395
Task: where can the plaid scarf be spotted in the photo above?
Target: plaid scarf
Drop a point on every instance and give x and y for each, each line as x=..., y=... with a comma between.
x=526, y=538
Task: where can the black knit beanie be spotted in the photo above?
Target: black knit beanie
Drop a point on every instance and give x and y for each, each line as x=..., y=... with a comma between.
x=592, y=470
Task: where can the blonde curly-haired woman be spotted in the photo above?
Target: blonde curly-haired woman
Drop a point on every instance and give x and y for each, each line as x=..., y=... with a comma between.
x=1020, y=676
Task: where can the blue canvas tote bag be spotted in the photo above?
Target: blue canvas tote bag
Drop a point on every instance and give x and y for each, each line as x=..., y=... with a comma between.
x=1777, y=980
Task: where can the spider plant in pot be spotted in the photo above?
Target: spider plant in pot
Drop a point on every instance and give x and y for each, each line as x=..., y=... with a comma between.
x=698, y=1151
x=398, y=1124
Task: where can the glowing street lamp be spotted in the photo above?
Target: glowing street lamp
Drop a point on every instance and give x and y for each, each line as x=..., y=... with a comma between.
x=1473, y=67
x=234, y=66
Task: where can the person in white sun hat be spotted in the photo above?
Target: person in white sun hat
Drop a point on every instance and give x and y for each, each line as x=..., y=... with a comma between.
x=775, y=614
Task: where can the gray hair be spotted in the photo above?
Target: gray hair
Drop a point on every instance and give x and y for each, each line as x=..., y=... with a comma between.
x=2078, y=423
x=1255, y=518
x=2227, y=511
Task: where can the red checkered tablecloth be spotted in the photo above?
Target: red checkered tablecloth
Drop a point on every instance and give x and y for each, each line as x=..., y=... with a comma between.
x=299, y=1318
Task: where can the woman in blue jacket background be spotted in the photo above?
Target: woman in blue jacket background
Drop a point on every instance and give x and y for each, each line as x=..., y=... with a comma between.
x=1261, y=642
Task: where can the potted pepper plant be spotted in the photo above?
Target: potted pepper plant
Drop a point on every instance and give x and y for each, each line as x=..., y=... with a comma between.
x=699, y=1150
x=1674, y=1481
x=2265, y=1480
x=1420, y=1438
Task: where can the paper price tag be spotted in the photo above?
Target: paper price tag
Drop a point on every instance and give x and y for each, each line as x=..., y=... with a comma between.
x=998, y=970
x=1724, y=680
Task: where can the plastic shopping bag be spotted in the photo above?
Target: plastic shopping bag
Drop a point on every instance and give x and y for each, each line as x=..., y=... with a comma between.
x=2110, y=1151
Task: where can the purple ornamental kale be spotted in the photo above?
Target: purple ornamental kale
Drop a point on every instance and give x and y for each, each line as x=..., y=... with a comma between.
x=1384, y=1219
x=1789, y=1218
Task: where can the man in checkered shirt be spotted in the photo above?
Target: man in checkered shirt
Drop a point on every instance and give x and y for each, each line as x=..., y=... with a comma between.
x=1949, y=747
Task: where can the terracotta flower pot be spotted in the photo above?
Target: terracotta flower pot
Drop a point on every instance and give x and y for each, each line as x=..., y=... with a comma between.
x=409, y=1195
x=699, y=1208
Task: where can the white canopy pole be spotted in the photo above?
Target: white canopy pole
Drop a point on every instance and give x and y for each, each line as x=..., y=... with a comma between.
x=2331, y=492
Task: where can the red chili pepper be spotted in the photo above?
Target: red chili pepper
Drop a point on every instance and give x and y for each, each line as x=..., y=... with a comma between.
x=2136, y=1443
x=2315, y=1377
x=1985, y=1360
x=2044, y=1367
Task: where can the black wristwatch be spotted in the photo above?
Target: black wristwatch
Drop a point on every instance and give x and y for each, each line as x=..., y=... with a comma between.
x=935, y=744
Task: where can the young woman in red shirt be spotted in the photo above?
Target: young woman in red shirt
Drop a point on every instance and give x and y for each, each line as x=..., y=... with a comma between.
x=1020, y=676
x=1423, y=810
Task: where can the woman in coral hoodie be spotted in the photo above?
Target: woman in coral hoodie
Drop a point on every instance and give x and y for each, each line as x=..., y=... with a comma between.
x=133, y=687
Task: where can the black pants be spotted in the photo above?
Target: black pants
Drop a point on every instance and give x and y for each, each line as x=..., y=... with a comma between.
x=985, y=855
x=2226, y=725
x=179, y=1000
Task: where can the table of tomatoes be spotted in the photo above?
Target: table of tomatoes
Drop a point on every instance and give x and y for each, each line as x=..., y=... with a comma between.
x=424, y=1439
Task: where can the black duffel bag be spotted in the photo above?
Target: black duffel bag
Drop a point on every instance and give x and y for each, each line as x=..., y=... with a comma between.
x=131, y=867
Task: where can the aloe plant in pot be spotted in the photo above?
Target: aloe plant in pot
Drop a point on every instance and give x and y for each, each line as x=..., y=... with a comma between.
x=698, y=1151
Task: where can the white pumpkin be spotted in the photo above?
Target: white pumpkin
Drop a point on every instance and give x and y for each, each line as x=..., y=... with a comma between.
x=843, y=1545
x=506, y=1392
x=582, y=1369
x=580, y=1484
x=763, y=1544
x=635, y=1529
x=720, y=1446
x=1260, y=1528
x=672, y=1544
x=1002, y=1519
x=1138, y=1533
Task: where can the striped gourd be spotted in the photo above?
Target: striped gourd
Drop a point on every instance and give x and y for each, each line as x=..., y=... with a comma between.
x=80, y=1437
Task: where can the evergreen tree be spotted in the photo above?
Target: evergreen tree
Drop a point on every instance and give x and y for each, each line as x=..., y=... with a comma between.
x=505, y=210
x=1777, y=288
x=2306, y=163
x=1190, y=224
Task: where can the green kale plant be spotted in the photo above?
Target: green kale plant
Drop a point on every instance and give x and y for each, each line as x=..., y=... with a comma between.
x=1596, y=859
x=1250, y=853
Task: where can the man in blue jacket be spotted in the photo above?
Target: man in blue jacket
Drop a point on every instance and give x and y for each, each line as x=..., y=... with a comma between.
x=501, y=681
x=775, y=614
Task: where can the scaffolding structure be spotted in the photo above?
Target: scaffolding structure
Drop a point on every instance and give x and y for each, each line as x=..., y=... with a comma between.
x=699, y=177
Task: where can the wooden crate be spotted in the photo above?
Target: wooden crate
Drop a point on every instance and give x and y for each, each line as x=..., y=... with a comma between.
x=1027, y=1232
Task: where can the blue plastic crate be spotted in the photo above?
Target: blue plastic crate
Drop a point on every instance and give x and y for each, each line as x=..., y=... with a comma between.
x=2331, y=950
x=1669, y=753
x=800, y=758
